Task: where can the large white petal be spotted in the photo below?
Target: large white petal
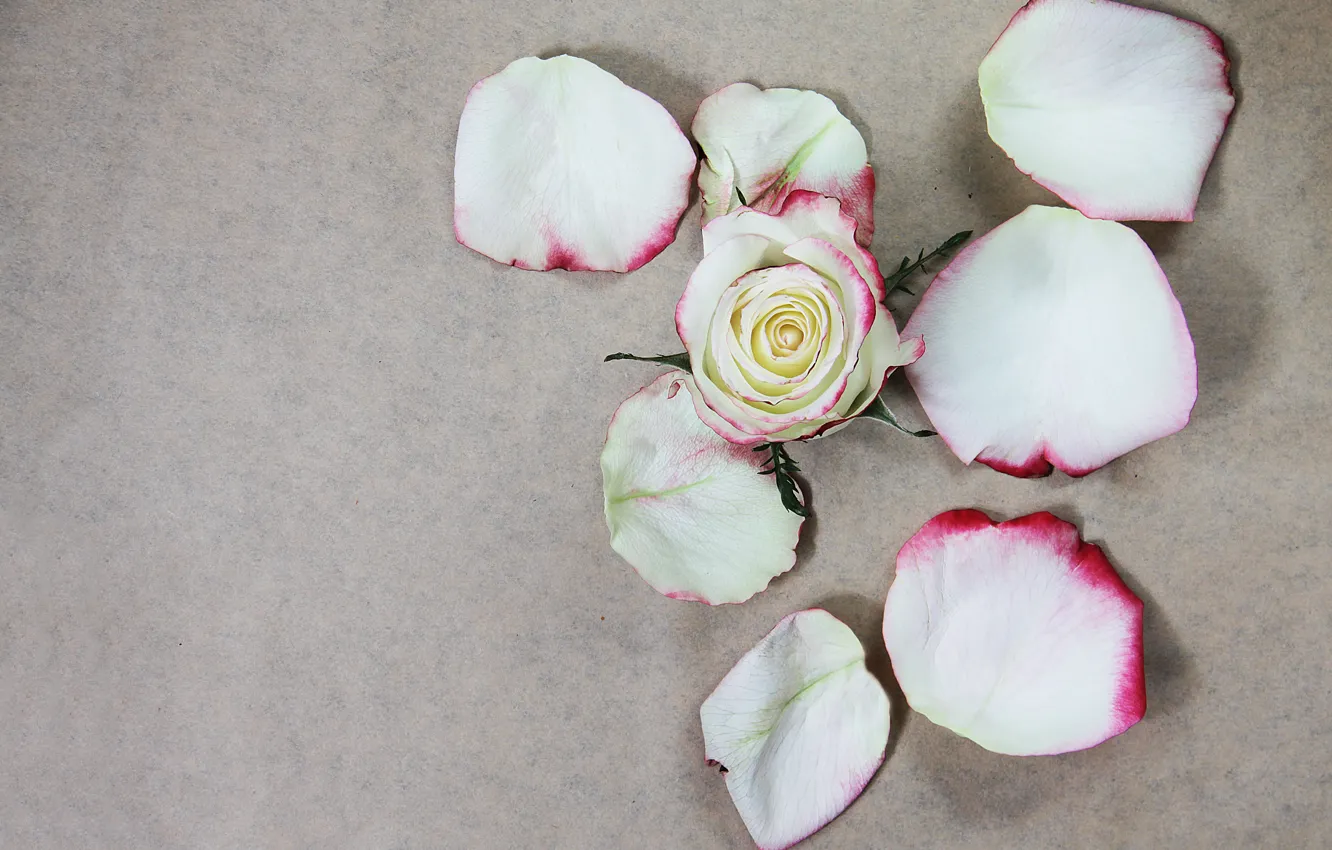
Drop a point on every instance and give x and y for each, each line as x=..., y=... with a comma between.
x=1055, y=338
x=561, y=165
x=765, y=144
x=688, y=510
x=800, y=725
x=1018, y=636
x=1116, y=109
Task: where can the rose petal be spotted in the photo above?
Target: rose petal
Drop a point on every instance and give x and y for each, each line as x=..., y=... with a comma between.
x=725, y=426
x=1053, y=339
x=688, y=510
x=879, y=356
x=800, y=725
x=561, y=165
x=1018, y=636
x=765, y=144
x=1116, y=109
x=802, y=215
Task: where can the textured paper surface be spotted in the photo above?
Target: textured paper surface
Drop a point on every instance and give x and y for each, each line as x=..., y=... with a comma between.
x=300, y=513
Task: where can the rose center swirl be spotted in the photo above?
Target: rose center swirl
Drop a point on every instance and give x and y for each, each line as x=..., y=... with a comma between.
x=783, y=333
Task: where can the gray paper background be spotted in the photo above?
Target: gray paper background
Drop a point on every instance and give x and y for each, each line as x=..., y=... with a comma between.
x=301, y=541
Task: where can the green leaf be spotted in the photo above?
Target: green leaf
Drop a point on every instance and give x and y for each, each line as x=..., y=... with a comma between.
x=780, y=465
x=679, y=361
x=741, y=196
x=878, y=410
x=895, y=280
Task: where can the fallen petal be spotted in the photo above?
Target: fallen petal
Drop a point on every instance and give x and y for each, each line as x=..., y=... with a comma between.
x=800, y=726
x=1053, y=339
x=687, y=509
x=763, y=144
x=1018, y=635
x=1116, y=109
x=561, y=165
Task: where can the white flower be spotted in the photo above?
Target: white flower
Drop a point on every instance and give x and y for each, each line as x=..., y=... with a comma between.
x=784, y=323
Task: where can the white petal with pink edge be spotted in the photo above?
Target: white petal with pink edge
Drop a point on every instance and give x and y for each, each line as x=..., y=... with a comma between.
x=1054, y=339
x=688, y=510
x=1116, y=109
x=761, y=145
x=1018, y=635
x=561, y=165
x=800, y=725
x=803, y=214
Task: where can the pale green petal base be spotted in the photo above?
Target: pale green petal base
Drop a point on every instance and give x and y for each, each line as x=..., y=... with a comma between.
x=687, y=509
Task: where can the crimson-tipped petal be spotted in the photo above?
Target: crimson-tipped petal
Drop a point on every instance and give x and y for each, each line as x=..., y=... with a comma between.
x=561, y=165
x=1116, y=109
x=1054, y=339
x=800, y=726
x=1018, y=635
x=760, y=145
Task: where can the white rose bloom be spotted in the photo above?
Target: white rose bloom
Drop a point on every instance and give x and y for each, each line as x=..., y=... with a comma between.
x=785, y=325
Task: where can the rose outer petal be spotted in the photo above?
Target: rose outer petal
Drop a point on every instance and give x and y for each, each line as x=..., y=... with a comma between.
x=688, y=510
x=801, y=726
x=1016, y=635
x=802, y=215
x=1053, y=339
x=560, y=165
x=712, y=277
x=879, y=356
x=1116, y=109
